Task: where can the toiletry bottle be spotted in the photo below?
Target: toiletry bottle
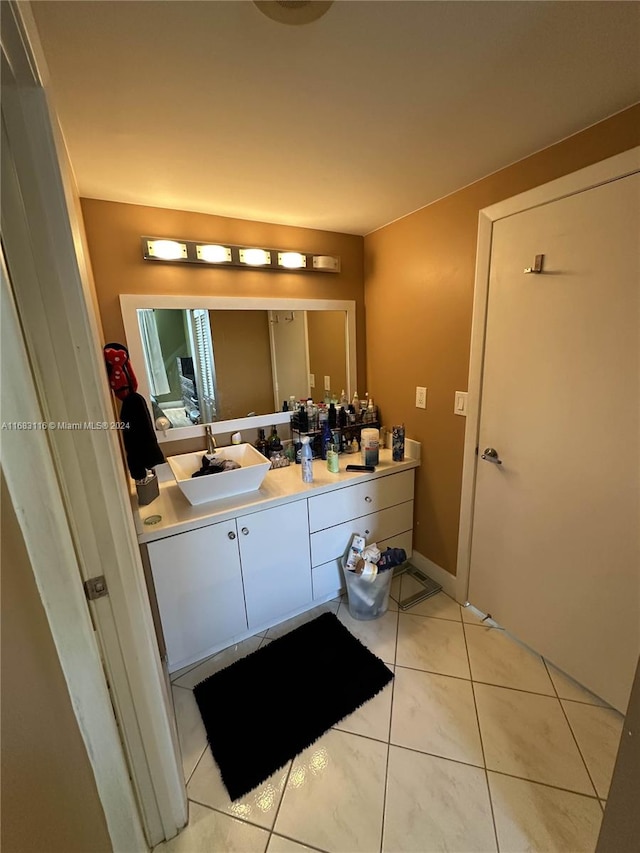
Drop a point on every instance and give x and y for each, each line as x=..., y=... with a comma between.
x=262, y=444
x=327, y=438
x=344, y=400
x=292, y=403
x=274, y=441
x=333, y=461
x=306, y=458
x=355, y=402
x=332, y=416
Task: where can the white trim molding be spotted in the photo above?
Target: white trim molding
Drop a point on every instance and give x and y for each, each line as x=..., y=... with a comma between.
x=45, y=248
x=611, y=169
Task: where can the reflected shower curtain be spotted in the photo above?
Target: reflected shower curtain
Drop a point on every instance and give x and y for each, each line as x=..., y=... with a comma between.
x=156, y=372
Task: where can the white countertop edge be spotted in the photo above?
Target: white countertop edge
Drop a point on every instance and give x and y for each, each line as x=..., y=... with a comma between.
x=280, y=486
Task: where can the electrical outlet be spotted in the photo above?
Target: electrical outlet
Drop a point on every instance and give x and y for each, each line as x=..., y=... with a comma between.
x=421, y=397
x=327, y=383
x=312, y=380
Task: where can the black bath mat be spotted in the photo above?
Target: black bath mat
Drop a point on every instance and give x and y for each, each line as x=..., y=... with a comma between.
x=266, y=708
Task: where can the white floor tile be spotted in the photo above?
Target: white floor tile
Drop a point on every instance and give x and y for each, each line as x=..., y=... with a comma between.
x=209, y=831
x=532, y=817
x=567, y=688
x=598, y=732
x=259, y=806
x=436, y=645
x=496, y=658
x=373, y=718
x=435, y=805
x=191, y=733
x=284, y=627
x=378, y=635
x=278, y=844
x=527, y=735
x=218, y=662
x=435, y=714
x=334, y=796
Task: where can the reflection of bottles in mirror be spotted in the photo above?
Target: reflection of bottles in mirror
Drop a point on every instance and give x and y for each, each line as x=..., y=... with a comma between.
x=344, y=400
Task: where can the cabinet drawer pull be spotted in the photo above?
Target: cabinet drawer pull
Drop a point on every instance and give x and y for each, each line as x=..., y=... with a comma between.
x=367, y=532
x=368, y=499
x=245, y=531
x=231, y=535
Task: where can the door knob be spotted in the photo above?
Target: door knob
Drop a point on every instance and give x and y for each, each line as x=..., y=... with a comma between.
x=491, y=455
x=245, y=530
x=231, y=535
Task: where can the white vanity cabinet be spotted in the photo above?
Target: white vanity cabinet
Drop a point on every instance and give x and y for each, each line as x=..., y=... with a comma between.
x=198, y=589
x=248, y=567
x=274, y=550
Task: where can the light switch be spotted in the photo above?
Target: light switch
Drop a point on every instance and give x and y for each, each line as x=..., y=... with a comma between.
x=460, y=404
x=327, y=383
x=312, y=380
x=421, y=397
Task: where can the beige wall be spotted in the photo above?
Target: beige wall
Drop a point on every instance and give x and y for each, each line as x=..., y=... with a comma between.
x=49, y=797
x=113, y=236
x=327, y=350
x=242, y=356
x=419, y=275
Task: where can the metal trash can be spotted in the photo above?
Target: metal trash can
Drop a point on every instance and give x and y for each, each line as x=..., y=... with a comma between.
x=368, y=599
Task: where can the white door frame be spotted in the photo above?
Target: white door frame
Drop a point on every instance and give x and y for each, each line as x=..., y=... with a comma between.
x=54, y=298
x=604, y=172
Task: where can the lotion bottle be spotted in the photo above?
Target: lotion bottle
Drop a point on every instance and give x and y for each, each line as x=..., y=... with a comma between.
x=306, y=458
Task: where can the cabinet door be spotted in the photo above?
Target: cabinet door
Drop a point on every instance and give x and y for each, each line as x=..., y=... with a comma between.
x=359, y=499
x=198, y=584
x=276, y=567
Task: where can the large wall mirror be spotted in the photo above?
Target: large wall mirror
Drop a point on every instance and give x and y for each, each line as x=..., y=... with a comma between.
x=233, y=362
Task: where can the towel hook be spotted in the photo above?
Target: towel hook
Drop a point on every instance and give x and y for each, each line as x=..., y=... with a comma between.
x=536, y=269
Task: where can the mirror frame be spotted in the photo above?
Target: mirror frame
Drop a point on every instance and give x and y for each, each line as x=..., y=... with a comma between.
x=131, y=302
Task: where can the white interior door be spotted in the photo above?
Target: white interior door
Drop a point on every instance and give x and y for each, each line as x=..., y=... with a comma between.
x=555, y=545
x=289, y=355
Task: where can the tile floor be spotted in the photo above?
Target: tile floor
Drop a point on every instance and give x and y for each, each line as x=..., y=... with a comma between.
x=478, y=744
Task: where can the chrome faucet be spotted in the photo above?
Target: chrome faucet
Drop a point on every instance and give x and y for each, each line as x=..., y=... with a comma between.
x=211, y=441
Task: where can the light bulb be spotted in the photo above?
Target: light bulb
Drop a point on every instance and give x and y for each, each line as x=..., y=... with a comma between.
x=292, y=260
x=166, y=250
x=214, y=254
x=255, y=257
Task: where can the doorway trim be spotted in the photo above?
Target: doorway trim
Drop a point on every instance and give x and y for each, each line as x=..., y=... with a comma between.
x=139, y=776
x=611, y=169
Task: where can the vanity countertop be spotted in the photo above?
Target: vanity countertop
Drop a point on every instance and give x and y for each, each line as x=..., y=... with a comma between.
x=280, y=486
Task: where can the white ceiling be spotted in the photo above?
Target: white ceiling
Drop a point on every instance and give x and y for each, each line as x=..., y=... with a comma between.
x=345, y=124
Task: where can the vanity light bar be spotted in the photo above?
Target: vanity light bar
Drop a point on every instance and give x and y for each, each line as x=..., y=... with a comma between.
x=191, y=252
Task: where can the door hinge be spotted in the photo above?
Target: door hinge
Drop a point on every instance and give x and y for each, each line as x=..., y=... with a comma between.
x=95, y=588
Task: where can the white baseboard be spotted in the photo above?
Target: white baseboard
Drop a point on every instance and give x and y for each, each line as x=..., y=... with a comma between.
x=446, y=580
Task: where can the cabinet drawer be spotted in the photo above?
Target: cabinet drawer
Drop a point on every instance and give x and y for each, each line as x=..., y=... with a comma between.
x=355, y=501
x=329, y=577
x=331, y=543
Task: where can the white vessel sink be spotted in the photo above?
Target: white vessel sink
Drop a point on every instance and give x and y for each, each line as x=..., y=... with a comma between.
x=226, y=484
